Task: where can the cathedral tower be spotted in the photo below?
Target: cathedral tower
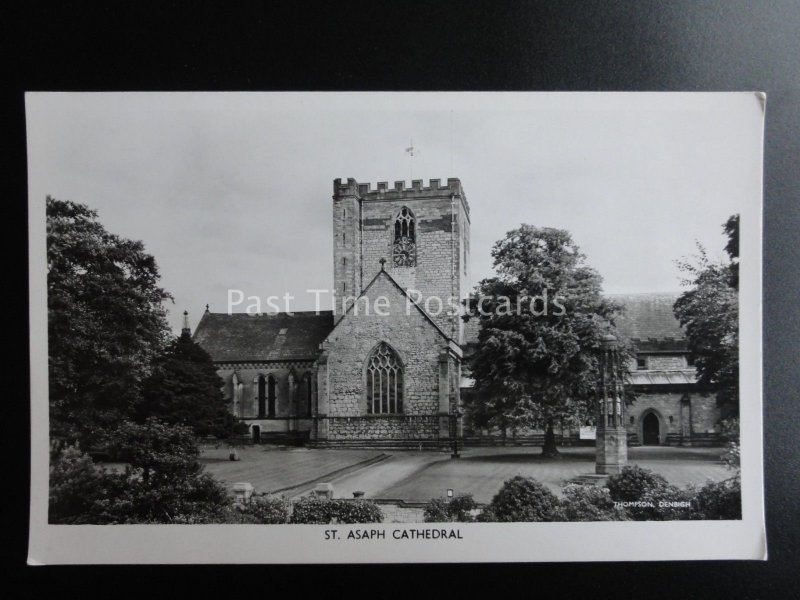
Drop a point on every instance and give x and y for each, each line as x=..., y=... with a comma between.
x=422, y=234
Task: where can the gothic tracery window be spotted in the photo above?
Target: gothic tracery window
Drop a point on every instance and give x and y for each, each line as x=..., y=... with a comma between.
x=404, y=247
x=384, y=381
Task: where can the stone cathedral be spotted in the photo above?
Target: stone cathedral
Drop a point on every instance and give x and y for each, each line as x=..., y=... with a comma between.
x=385, y=367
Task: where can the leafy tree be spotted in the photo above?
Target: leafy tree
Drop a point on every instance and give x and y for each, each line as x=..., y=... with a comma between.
x=709, y=312
x=162, y=482
x=105, y=322
x=184, y=388
x=542, y=321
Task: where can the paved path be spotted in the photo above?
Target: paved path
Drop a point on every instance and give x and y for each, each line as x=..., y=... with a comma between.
x=418, y=477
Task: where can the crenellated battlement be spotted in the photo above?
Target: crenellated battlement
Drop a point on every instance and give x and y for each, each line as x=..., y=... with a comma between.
x=364, y=191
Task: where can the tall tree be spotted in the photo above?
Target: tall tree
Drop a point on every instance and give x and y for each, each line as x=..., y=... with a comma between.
x=184, y=388
x=542, y=321
x=709, y=311
x=106, y=322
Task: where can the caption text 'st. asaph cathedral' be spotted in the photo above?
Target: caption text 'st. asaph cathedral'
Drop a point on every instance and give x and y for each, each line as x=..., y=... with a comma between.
x=357, y=379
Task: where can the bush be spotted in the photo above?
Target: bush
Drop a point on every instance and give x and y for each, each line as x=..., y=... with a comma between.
x=162, y=483
x=486, y=515
x=315, y=511
x=730, y=434
x=523, y=499
x=633, y=483
x=668, y=503
x=76, y=488
x=655, y=498
x=589, y=503
x=719, y=501
x=262, y=510
x=440, y=510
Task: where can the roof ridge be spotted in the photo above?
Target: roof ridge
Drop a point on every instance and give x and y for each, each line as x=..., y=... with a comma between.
x=403, y=292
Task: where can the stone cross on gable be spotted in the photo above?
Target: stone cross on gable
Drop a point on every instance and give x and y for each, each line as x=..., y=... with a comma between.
x=383, y=262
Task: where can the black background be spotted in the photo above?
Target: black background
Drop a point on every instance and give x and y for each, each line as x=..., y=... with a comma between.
x=556, y=45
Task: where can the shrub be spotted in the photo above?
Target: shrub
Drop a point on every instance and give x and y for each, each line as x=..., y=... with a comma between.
x=317, y=511
x=730, y=433
x=262, y=510
x=76, y=488
x=162, y=483
x=440, y=510
x=523, y=499
x=589, y=503
x=667, y=503
x=269, y=510
x=633, y=483
x=719, y=501
x=656, y=499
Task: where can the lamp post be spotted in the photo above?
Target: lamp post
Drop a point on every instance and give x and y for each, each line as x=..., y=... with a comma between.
x=611, y=450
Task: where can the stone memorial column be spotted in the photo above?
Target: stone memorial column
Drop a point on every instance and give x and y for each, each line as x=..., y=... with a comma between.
x=611, y=450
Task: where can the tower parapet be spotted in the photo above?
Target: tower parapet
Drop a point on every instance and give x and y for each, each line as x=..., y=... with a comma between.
x=434, y=189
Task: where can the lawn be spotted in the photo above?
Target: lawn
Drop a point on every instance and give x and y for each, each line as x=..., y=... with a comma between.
x=271, y=468
x=420, y=476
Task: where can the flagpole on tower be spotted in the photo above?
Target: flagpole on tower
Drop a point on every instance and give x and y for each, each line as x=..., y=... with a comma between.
x=410, y=151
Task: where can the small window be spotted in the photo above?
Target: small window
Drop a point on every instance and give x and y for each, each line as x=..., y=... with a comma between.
x=633, y=420
x=641, y=364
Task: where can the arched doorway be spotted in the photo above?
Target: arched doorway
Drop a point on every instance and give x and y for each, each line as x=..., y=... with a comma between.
x=650, y=433
x=256, y=434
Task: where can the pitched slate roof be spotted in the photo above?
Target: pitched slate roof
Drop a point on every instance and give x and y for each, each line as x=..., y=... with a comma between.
x=645, y=317
x=664, y=377
x=242, y=337
x=648, y=316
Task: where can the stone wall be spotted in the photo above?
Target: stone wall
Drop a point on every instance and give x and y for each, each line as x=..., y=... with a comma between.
x=401, y=512
x=679, y=415
x=417, y=343
x=367, y=427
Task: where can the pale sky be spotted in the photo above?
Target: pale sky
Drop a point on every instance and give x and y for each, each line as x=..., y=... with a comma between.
x=233, y=190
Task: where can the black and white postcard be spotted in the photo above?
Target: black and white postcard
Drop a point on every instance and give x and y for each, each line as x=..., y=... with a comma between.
x=395, y=327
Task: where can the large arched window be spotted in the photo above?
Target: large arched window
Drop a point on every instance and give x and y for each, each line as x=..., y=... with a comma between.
x=266, y=397
x=404, y=247
x=384, y=381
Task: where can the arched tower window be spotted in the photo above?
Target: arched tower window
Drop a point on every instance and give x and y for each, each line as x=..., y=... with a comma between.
x=384, y=381
x=404, y=247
